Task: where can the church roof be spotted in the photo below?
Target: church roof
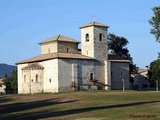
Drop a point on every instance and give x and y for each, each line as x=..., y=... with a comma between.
x=115, y=58
x=49, y=56
x=33, y=65
x=59, y=38
x=94, y=24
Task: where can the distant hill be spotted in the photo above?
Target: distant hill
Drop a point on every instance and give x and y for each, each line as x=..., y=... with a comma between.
x=6, y=69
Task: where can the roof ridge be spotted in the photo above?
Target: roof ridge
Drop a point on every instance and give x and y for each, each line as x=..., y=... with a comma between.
x=55, y=55
x=94, y=23
x=60, y=38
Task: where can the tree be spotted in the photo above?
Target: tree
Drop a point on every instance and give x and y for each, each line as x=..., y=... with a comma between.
x=117, y=45
x=14, y=83
x=11, y=82
x=158, y=55
x=154, y=72
x=155, y=22
x=6, y=82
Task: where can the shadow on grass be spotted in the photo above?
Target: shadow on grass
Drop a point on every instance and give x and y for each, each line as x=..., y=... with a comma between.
x=53, y=113
x=6, y=109
x=4, y=99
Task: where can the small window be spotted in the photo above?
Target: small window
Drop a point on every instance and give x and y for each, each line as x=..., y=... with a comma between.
x=91, y=76
x=0, y=85
x=49, y=79
x=36, y=77
x=111, y=73
x=67, y=50
x=48, y=50
x=121, y=73
x=100, y=37
x=87, y=37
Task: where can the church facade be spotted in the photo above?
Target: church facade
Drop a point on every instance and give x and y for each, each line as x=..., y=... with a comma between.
x=62, y=66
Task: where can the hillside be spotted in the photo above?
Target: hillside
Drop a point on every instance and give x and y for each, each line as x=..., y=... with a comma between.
x=6, y=69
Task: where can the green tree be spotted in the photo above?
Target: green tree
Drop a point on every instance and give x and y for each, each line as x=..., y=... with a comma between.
x=154, y=72
x=11, y=82
x=117, y=45
x=6, y=82
x=158, y=55
x=14, y=83
x=155, y=22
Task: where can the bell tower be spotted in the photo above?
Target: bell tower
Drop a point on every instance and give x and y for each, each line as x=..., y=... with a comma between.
x=94, y=40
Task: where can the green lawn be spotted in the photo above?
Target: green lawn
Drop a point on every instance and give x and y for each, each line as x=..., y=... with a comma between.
x=97, y=105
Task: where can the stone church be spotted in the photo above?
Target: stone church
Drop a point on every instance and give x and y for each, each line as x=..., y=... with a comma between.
x=62, y=66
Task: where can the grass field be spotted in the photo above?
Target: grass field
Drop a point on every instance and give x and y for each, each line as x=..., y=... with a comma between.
x=97, y=105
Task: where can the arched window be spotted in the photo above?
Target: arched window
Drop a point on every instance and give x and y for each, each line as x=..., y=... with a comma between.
x=24, y=78
x=100, y=37
x=36, y=77
x=91, y=76
x=87, y=37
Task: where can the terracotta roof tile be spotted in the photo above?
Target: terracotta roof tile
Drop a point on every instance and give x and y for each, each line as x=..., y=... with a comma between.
x=33, y=65
x=39, y=58
x=111, y=57
x=49, y=56
x=94, y=24
x=59, y=38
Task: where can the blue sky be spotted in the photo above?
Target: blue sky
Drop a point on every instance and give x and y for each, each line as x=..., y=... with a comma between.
x=25, y=23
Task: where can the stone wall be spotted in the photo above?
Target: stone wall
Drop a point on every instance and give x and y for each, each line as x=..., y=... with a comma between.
x=32, y=80
x=47, y=78
x=107, y=70
x=59, y=75
x=32, y=87
x=20, y=78
x=87, y=47
x=67, y=47
x=50, y=75
x=65, y=74
x=49, y=47
x=100, y=47
x=79, y=71
x=62, y=47
x=120, y=71
x=85, y=69
x=99, y=71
